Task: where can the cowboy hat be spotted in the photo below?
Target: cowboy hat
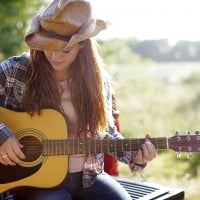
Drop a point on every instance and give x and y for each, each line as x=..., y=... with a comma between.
x=62, y=25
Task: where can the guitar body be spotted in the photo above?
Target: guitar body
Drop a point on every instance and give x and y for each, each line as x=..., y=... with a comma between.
x=45, y=145
x=36, y=170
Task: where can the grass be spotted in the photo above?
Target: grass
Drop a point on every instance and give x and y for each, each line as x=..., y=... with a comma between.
x=166, y=170
x=159, y=100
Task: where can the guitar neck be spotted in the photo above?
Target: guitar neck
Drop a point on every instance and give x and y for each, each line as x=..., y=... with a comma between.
x=80, y=146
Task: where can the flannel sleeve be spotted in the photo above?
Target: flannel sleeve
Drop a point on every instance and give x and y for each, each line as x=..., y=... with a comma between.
x=112, y=133
x=5, y=133
x=126, y=156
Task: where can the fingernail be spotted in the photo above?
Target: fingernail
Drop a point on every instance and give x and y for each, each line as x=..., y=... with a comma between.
x=143, y=145
x=147, y=135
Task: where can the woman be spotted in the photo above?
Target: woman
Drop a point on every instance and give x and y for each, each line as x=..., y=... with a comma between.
x=64, y=72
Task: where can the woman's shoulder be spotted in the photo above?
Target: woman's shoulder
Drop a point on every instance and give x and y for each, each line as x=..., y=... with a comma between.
x=16, y=62
x=22, y=59
x=107, y=80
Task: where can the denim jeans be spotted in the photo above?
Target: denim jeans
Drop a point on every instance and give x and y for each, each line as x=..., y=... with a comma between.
x=104, y=188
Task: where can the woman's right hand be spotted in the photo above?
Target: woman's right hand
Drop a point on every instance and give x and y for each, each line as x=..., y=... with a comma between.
x=10, y=152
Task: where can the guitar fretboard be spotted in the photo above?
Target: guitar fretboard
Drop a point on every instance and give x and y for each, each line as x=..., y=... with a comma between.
x=79, y=146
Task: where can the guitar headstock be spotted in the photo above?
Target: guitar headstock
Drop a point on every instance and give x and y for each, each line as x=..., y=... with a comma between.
x=185, y=143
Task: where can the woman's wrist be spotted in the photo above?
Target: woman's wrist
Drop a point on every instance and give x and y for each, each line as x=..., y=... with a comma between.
x=141, y=165
x=136, y=166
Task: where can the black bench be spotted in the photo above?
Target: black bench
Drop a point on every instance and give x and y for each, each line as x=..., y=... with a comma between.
x=7, y=196
x=142, y=190
x=138, y=190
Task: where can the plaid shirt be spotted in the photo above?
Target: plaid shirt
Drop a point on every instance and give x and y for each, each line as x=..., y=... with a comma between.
x=12, y=88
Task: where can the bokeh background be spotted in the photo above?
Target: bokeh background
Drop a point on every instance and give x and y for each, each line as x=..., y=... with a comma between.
x=152, y=51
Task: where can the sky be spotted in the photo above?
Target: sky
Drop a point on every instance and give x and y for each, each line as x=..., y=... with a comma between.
x=149, y=19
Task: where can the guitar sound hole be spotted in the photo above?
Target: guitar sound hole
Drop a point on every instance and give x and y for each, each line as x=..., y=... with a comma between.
x=32, y=148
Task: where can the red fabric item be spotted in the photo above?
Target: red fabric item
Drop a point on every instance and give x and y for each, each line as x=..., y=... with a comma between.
x=110, y=165
x=110, y=162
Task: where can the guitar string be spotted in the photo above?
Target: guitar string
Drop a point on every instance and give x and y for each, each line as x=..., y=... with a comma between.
x=100, y=145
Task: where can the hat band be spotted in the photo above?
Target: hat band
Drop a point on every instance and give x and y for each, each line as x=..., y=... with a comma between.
x=52, y=34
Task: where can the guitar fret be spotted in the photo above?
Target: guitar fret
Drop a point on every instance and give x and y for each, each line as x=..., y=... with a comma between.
x=51, y=152
x=81, y=146
x=68, y=143
x=112, y=148
x=64, y=148
x=104, y=146
x=73, y=146
x=126, y=145
x=101, y=145
x=115, y=146
x=52, y=147
x=138, y=143
x=119, y=145
x=156, y=144
x=60, y=148
x=122, y=145
x=44, y=147
x=78, y=141
x=95, y=145
x=67, y=149
x=56, y=147
x=89, y=147
x=48, y=149
x=98, y=146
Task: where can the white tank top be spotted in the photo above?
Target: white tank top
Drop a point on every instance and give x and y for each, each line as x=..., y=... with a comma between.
x=76, y=161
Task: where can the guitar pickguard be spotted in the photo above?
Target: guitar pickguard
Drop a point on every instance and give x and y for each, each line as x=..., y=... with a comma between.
x=14, y=173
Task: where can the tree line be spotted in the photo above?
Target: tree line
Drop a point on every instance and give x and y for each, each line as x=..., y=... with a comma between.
x=16, y=15
x=15, y=18
x=163, y=51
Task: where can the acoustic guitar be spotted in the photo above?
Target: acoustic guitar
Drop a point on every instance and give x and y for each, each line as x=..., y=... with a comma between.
x=45, y=144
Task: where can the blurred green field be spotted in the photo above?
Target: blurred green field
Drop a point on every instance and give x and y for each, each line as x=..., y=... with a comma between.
x=161, y=99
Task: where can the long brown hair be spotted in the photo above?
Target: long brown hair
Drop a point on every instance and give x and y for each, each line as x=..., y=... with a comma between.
x=86, y=83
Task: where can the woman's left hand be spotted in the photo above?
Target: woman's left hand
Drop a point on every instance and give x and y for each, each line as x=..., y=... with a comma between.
x=146, y=153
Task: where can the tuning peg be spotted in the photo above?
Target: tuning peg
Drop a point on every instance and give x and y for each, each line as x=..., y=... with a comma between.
x=197, y=132
x=189, y=156
x=178, y=155
x=187, y=132
x=177, y=133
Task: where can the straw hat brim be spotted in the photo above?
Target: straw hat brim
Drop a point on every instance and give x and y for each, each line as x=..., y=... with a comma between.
x=38, y=39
